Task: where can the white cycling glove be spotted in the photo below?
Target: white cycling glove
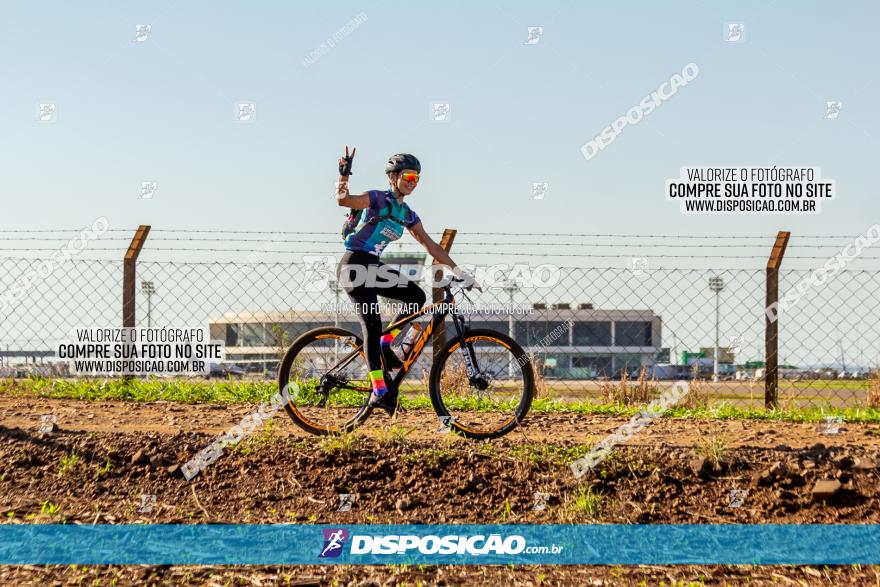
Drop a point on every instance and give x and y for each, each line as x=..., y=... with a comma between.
x=467, y=277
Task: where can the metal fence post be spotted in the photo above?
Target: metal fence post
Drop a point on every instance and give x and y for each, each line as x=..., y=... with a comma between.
x=771, y=336
x=129, y=275
x=438, y=337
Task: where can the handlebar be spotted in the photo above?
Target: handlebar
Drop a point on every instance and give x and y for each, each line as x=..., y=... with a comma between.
x=464, y=288
x=460, y=280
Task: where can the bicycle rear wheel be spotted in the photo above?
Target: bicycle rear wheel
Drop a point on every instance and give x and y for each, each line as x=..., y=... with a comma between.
x=492, y=402
x=327, y=381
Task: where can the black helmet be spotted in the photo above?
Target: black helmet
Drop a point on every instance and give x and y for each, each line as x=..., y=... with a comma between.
x=402, y=161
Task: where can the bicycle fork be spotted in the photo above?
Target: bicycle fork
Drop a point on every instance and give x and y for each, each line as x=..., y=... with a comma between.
x=467, y=352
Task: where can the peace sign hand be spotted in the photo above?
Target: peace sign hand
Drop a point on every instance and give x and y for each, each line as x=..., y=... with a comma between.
x=346, y=161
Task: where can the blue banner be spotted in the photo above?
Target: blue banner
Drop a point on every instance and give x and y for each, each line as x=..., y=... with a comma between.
x=290, y=544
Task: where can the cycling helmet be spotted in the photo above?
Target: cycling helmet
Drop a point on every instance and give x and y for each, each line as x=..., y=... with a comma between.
x=402, y=161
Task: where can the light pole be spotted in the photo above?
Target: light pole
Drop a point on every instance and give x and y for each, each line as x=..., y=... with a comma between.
x=716, y=284
x=511, y=286
x=334, y=285
x=148, y=288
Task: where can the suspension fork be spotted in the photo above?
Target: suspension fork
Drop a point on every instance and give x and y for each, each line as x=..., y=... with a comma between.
x=467, y=349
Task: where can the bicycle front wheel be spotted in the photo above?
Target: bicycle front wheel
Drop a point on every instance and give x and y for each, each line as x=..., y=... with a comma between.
x=327, y=381
x=495, y=398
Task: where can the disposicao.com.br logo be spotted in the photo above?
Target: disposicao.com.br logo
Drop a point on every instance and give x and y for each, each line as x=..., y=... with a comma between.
x=475, y=545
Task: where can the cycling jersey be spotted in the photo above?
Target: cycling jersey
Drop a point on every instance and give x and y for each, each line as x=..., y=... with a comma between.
x=374, y=237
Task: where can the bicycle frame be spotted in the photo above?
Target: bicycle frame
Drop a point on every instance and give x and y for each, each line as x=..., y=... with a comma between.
x=419, y=344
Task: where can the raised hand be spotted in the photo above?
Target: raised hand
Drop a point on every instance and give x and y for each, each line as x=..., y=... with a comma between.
x=346, y=162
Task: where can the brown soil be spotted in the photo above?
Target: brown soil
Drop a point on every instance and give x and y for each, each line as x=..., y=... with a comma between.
x=169, y=418
x=427, y=478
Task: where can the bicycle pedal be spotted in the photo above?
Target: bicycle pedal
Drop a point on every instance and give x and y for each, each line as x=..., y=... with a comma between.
x=390, y=410
x=388, y=403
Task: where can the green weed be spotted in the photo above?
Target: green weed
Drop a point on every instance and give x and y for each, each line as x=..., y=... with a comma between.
x=265, y=436
x=68, y=464
x=340, y=443
x=585, y=503
x=431, y=456
x=504, y=512
x=712, y=449
x=394, y=435
x=255, y=392
x=47, y=508
x=103, y=470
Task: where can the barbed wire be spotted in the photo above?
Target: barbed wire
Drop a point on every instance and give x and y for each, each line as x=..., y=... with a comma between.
x=470, y=244
x=659, y=268
x=31, y=230
x=459, y=253
x=460, y=233
x=42, y=238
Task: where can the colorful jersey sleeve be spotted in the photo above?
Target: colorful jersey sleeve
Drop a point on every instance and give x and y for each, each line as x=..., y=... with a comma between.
x=377, y=200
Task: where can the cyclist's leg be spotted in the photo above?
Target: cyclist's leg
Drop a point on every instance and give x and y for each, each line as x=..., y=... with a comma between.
x=364, y=296
x=365, y=300
x=403, y=289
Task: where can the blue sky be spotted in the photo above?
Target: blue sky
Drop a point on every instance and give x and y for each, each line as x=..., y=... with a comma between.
x=163, y=110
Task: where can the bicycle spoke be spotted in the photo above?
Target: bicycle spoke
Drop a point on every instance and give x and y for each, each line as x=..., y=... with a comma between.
x=331, y=378
x=496, y=394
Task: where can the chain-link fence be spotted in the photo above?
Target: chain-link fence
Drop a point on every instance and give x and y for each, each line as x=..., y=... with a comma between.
x=598, y=312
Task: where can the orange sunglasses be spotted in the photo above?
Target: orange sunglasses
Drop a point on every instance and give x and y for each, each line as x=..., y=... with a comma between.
x=409, y=176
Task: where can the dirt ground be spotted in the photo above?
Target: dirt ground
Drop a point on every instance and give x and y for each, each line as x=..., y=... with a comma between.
x=171, y=418
x=674, y=471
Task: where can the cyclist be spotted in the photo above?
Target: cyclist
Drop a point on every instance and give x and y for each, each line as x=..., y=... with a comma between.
x=384, y=216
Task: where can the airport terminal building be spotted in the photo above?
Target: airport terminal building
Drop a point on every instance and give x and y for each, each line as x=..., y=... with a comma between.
x=591, y=342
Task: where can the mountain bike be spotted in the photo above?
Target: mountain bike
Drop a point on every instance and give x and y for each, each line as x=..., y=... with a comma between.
x=481, y=383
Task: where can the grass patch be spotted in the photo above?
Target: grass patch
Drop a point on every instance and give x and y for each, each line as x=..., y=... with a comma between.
x=227, y=392
x=505, y=512
x=697, y=397
x=144, y=390
x=431, y=456
x=102, y=470
x=585, y=503
x=68, y=464
x=713, y=450
x=874, y=389
x=488, y=448
x=50, y=510
x=636, y=465
x=340, y=444
x=394, y=435
x=264, y=437
x=627, y=394
x=301, y=444
x=47, y=508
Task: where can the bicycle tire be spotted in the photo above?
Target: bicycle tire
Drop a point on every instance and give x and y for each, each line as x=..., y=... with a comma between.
x=284, y=377
x=522, y=407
